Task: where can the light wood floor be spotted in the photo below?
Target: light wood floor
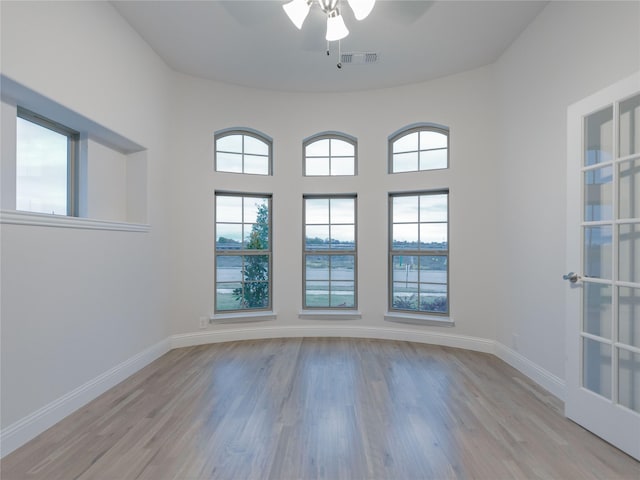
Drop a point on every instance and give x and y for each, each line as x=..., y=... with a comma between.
x=320, y=408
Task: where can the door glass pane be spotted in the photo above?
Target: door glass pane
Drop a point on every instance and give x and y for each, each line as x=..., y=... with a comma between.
x=596, y=367
x=598, y=134
x=630, y=126
x=629, y=379
x=598, y=194
x=629, y=316
x=597, y=252
x=629, y=188
x=597, y=309
x=629, y=253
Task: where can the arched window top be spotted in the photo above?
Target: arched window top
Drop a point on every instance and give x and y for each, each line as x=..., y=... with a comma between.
x=420, y=146
x=330, y=154
x=243, y=150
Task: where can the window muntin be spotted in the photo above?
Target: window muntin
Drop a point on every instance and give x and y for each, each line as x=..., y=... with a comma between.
x=46, y=155
x=417, y=148
x=330, y=265
x=419, y=252
x=243, y=252
x=241, y=151
x=330, y=154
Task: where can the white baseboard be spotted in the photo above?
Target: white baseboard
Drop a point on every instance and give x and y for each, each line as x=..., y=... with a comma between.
x=542, y=377
x=332, y=330
x=32, y=425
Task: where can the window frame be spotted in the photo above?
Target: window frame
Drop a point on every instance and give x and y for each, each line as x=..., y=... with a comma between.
x=329, y=252
x=330, y=135
x=73, y=151
x=243, y=252
x=418, y=252
x=244, y=132
x=413, y=128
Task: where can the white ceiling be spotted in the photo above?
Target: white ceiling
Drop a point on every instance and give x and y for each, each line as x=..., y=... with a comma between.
x=253, y=43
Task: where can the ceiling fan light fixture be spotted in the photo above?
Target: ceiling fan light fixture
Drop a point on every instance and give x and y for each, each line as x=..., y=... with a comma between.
x=361, y=8
x=336, y=29
x=297, y=11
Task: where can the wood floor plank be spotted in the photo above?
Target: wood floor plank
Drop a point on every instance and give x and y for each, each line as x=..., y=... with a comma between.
x=320, y=408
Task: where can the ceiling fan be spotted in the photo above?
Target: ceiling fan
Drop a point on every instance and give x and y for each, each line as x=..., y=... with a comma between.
x=297, y=10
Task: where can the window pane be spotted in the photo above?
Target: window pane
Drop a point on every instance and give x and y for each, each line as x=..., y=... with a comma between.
x=41, y=169
x=433, y=298
x=405, y=162
x=405, y=209
x=433, y=236
x=256, y=236
x=317, y=211
x=630, y=189
x=341, y=148
x=228, y=268
x=598, y=194
x=343, y=268
x=599, y=137
x=597, y=309
x=228, y=296
x=319, y=148
x=430, y=140
x=317, y=237
x=229, y=143
x=405, y=236
x=629, y=379
x=343, y=166
x=255, y=295
x=433, y=208
x=228, y=208
x=257, y=165
x=317, y=166
x=406, y=144
x=317, y=267
x=630, y=126
x=228, y=236
x=256, y=210
x=342, y=295
x=405, y=268
x=405, y=296
x=229, y=162
x=629, y=262
x=256, y=268
x=596, y=367
x=342, y=210
x=597, y=252
x=629, y=316
x=317, y=294
x=433, y=268
x=254, y=146
x=343, y=237
x=433, y=159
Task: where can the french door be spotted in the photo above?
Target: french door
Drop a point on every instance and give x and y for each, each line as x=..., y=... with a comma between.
x=603, y=249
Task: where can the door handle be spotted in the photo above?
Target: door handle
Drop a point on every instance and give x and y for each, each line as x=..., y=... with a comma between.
x=572, y=277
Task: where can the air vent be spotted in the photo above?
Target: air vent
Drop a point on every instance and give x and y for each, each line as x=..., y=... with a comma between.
x=359, y=58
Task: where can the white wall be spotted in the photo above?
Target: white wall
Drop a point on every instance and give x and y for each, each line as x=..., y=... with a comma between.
x=463, y=102
x=570, y=51
x=76, y=303
x=106, y=171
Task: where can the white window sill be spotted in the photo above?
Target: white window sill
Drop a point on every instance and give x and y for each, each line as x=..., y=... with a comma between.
x=329, y=314
x=239, y=317
x=416, y=319
x=14, y=217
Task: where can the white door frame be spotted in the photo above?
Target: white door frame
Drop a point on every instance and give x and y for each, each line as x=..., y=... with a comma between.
x=614, y=423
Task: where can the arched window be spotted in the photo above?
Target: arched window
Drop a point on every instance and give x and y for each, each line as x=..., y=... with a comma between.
x=330, y=154
x=243, y=151
x=423, y=146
